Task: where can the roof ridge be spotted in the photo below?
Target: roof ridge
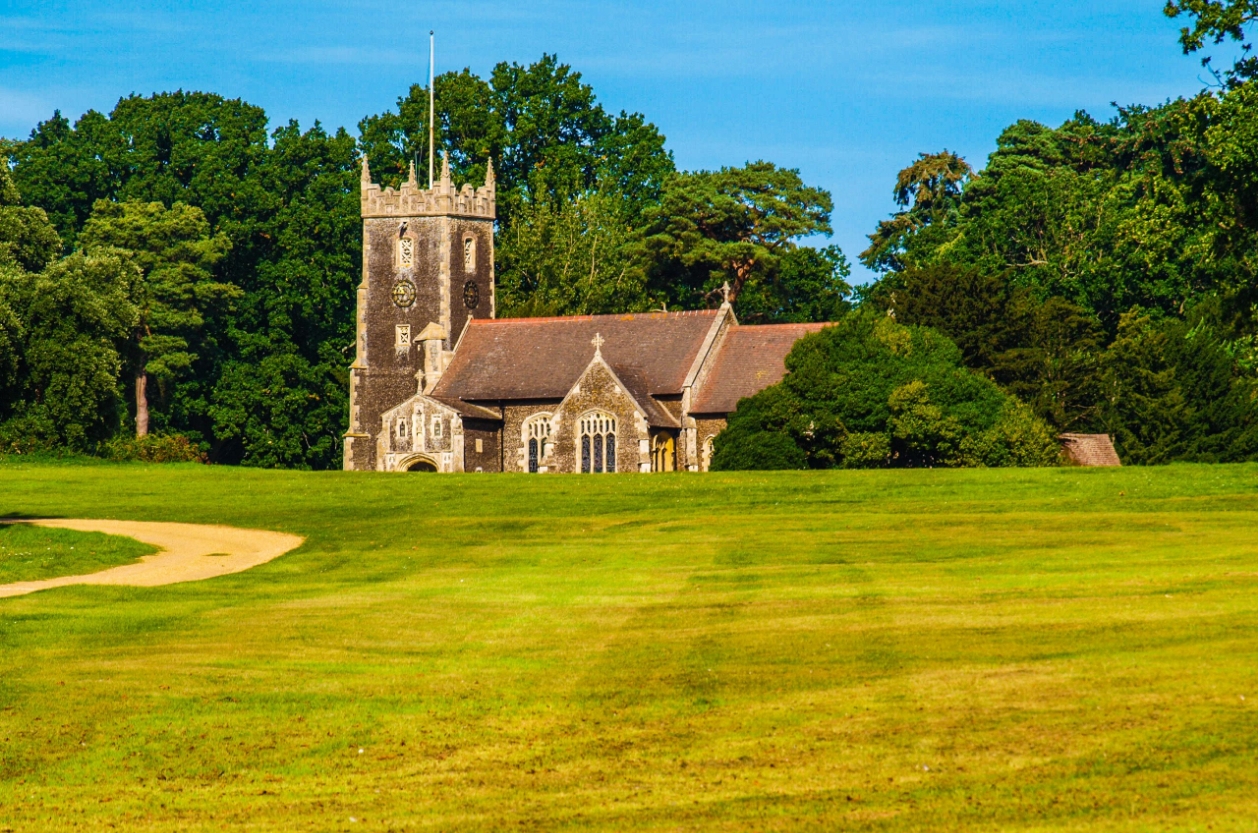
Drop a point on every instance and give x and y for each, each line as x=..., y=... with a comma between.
x=785, y=326
x=692, y=313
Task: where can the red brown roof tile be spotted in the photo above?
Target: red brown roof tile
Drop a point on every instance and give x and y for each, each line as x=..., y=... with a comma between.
x=750, y=359
x=1090, y=449
x=542, y=358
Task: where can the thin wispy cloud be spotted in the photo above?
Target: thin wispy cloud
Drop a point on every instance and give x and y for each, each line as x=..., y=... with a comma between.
x=845, y=90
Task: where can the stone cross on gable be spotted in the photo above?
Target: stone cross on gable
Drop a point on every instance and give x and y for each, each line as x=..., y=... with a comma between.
x=598, y=341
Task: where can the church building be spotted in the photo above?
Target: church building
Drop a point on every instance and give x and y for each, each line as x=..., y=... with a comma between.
x=440, y=384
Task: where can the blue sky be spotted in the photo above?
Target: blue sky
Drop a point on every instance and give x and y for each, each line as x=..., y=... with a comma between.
x=848, y=92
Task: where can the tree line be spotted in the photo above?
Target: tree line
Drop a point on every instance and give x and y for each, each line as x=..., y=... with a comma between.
x=178, y=268
x=175, y=268
x=1100, y=274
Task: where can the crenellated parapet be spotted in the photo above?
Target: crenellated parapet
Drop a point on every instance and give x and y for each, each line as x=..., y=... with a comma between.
x=442, y=200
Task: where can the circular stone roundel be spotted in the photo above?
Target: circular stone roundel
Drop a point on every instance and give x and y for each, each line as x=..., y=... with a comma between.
x=471, y=295
x=404, y=293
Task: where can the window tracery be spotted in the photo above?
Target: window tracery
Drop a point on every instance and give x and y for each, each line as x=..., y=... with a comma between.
x=536, y=438
x=406, y=252
x=598, y=443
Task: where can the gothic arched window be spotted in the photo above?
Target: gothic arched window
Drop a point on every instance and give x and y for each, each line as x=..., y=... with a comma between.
x=536, y=439
x=469, y=254
x=406, y=252
x=598, y=443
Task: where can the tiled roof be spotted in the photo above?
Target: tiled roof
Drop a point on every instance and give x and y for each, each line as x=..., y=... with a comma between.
x=656, y=414
x=469, y=410
x=542, y=358
x=749, y=360
x=1090, y=449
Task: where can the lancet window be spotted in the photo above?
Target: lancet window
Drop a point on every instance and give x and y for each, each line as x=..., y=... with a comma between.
x=406, y=252
x=469, y=254
x=537, y=437
x=598, y=443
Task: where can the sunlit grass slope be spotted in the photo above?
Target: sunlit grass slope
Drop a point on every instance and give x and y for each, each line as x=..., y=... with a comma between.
x=928, y=650
x=31, y=553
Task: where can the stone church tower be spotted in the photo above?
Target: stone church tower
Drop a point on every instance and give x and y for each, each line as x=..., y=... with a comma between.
x=428, y=268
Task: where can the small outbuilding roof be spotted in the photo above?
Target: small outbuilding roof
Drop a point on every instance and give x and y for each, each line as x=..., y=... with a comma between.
x=1090, y=449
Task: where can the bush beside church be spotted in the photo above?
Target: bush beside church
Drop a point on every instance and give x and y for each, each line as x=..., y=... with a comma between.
x=870, y=393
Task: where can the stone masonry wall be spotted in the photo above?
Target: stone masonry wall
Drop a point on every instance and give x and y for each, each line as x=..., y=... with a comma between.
x=599, y=391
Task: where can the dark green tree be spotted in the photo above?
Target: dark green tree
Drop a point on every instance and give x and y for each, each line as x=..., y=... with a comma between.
x=808, y=285
x=1217, y=21
x=27, y=240
x=175, y=255
x=287, y=203
x=731, y=226
x=1044, y=352
x=571, y=256
x=929, y=192
x=541, y=125
x=870, y=392
x=72, y=315
x=1174, y=393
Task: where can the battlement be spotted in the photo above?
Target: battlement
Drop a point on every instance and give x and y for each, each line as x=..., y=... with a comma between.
x=441, y=200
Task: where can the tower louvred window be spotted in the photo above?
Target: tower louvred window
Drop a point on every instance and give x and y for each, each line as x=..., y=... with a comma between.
x=598, y=443
x=406, y=252
x=469, y=254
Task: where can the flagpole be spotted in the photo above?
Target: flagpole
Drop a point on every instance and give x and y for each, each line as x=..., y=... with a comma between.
x=432, y=117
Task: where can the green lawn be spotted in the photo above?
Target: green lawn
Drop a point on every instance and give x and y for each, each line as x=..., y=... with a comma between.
x=927, y=650
x=31, y=553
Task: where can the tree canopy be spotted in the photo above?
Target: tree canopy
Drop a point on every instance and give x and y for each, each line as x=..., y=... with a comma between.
x=237, y=253
x=1101, y=275
x=868, y=392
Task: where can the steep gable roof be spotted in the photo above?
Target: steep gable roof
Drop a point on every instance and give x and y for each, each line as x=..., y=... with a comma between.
x=1090, y=449
x=541, y=358
x=750, y=359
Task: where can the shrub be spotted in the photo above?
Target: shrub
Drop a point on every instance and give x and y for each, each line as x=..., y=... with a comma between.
x=869, y=392
x=155, y=448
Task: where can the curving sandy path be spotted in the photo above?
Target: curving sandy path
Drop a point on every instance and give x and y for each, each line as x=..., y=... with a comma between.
x=189, y=552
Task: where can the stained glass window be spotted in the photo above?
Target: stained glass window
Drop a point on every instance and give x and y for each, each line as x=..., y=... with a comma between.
x=536, y=437
x=598, y=443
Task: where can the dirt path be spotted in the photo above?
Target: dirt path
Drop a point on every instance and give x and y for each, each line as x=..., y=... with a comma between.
x=189, y=552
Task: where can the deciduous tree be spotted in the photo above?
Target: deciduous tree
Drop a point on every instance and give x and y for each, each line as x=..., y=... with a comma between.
x=174, y=253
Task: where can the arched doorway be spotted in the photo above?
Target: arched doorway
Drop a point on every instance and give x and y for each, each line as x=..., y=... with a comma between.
x=664, y=453
x=417, y=463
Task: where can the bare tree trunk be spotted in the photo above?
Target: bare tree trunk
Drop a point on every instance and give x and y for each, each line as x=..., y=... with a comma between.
x=141, y=405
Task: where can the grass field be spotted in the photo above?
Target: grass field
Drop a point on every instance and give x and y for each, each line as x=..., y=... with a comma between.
x=29, y=553
x=925, y=650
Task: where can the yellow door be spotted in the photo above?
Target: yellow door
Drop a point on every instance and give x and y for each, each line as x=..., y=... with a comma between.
x=664, y=456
